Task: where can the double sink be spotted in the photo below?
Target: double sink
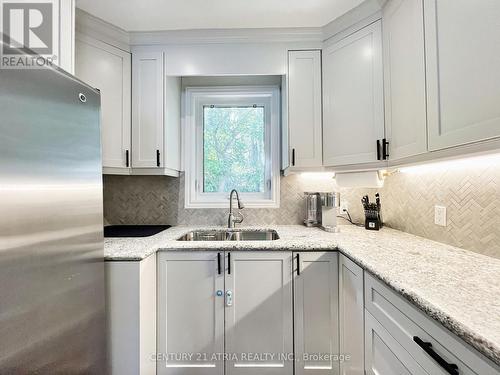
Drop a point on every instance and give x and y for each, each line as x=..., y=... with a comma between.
x=198, y=235
x=230, y=235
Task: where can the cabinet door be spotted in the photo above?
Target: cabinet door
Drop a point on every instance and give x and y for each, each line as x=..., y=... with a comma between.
x=462, y=40
x=259, y=316
x=404, y=322
x=316, y=312
x=384, y=355
x=190, y=313
x=172, y=130
x=304, y=108
x=108, y=69
x=404, y=75
x=353, y=106
x=131, y=316
x=147, y=109
x=351, y=316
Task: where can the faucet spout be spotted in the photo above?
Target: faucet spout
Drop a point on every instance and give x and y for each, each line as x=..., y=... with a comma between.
x=232, y=220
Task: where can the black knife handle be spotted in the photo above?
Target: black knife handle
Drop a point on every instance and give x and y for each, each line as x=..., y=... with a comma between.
x=127, y=159
x=450, y=368
x=379, y=152
x=385, y=149
x=157, y=158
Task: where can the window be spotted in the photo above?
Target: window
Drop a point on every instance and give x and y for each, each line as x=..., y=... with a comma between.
x=234, y=149
x=232, y=142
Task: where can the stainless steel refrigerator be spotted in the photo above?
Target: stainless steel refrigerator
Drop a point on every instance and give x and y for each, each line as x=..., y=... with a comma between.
x=52, y=308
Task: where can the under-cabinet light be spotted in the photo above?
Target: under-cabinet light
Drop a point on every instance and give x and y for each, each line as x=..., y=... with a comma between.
x=317, y=175
x=482, y=161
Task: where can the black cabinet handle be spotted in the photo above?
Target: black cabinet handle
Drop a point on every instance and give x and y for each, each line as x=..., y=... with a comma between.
x=298, y=264
x=293, y=157
x=157, y=158
x=385, y=149
x=218, y=264
x=229, y=263
x=379, y=151
x=127, y=160
x=450, y=368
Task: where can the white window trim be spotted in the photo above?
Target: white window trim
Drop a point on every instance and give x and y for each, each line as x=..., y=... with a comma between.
x=194, y=99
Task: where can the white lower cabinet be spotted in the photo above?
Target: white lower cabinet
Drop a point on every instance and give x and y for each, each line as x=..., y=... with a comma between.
x=351, y=317
x=131, y=316
x=191, y=313
x=384, y=355
x=275, y=313
x=259, y=313
x=225, y=314
x=316, y=313
x=400, y=339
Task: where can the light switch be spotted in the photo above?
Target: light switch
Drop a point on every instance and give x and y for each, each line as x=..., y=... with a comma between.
x=440, y=215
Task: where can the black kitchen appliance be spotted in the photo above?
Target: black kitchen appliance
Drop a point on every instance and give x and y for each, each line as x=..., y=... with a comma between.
x=133, y=230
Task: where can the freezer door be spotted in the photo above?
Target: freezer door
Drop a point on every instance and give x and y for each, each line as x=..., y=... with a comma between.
x=52, y=311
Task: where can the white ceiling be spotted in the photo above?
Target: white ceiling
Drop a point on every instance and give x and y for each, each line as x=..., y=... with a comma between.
x=154, y=15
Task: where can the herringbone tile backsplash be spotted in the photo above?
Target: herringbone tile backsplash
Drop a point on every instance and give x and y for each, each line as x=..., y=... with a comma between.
x=471, y=196
x=160, y=199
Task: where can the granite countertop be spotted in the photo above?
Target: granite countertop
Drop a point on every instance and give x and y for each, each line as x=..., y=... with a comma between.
x=458, y=288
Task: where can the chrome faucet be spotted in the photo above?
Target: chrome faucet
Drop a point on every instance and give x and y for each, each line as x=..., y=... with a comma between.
x=231, y=220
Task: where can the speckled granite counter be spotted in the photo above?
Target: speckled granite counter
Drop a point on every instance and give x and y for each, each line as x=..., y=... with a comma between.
x=458, y=288
x=294, y=237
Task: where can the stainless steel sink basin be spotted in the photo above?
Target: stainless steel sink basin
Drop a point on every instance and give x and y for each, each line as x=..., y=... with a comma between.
x=230, y=235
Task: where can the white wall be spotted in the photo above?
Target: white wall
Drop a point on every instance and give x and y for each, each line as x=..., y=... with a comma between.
x=231, y=81
x=221, y=51
x=226, y=59
x=219, y=59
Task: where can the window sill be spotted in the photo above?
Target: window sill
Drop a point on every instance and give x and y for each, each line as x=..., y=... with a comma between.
x=225, y=204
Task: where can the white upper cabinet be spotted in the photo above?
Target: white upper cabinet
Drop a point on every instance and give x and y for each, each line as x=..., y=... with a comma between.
x=353, y=105
x=404, y=75
x=67, y=42
x=108, y=69
x=463, y=77
x=304, y=108
x=147, y=109
x=156, y=107
x=172, y=126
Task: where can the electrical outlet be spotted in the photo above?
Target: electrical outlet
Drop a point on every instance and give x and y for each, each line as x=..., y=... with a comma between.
x=344, y=206
x=440, y=215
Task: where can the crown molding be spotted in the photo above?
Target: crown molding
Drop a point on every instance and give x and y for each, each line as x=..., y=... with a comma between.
x=87, y=24
x=358, y=17
x=204, y=36
x=355, y=19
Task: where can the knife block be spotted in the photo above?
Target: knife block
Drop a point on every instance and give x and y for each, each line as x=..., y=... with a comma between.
x=372, y=218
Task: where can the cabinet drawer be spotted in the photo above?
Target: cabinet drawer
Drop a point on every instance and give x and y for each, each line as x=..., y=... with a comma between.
x=384, y=355
x=405, y=322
